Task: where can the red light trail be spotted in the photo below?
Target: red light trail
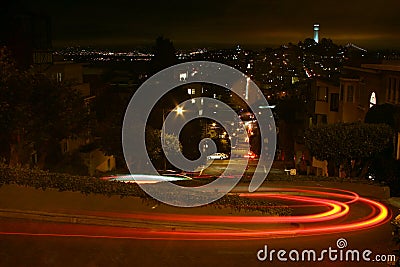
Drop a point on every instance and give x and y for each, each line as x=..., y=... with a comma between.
x=337, y=205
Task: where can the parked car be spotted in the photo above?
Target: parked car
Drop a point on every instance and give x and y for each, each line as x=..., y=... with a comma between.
x=218, y=156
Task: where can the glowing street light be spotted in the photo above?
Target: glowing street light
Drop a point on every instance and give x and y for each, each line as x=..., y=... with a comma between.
x=179, y=110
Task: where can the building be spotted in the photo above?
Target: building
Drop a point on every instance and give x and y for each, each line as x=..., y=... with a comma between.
x=67, y=71
x=358, y=90
x=92, y=157
x=368, y=85
x=324, y=104
x=320, y=106
x=351, y=109
x=316, y=32
x=27, y=35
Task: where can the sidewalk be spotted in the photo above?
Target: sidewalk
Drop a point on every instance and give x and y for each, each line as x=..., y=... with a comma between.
x=364, y=190
x=394, y=201
x=18, y=202
x=76, y=218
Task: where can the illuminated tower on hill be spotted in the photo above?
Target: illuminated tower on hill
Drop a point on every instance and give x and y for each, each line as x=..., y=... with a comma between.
x=316, y=30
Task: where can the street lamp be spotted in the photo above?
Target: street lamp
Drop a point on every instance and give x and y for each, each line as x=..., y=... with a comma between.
x=179, y=111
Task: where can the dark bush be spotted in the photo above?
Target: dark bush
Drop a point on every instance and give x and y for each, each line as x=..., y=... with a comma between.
x=90, y=185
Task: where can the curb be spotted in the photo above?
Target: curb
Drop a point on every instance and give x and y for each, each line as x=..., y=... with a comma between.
x=394, y=201
x=103, y=221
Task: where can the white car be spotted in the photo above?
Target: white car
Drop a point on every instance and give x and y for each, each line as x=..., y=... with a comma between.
x=218, y=156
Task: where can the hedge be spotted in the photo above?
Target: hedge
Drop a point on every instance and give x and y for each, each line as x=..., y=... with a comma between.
x=40, y=179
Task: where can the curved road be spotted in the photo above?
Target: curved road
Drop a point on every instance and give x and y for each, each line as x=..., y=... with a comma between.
x=80, y=234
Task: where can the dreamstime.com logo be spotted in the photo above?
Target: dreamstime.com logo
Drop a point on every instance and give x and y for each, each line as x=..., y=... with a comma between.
x=198, y=72
x=338, y=253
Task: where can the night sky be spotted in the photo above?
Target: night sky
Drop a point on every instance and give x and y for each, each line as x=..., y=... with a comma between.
x=367, y=23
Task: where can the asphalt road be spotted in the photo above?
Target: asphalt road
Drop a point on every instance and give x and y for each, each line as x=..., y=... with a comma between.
x=76, y=251
x=33, y=241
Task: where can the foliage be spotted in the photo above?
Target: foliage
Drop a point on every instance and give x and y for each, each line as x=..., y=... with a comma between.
x=65, y=182
x=109, y=108
x=396, y=238
x=36, y=112
x=164, y=55
x=386, y=113
x=89, y=185
x=69, y=163
x=292, y=110
x=384, y=167
x=343, y=142
x=57, y=112
x=154, y=147
x=255, y=141
x=14, y=92
x=292, y=114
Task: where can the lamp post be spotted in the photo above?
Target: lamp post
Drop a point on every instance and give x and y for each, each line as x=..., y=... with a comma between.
x=179, y=111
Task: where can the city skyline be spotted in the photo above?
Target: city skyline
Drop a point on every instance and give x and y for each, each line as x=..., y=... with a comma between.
x=369, y=24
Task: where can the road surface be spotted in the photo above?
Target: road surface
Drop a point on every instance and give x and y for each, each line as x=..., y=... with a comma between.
x=165, y=237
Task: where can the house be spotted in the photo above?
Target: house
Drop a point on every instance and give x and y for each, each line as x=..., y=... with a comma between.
x=369, y=85
x=324, y=102
x=373, y=84
x=94, y=159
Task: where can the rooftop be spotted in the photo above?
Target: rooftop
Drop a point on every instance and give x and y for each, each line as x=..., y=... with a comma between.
x=386, y=66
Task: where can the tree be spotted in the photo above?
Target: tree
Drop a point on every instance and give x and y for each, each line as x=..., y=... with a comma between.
x=385, y=167
x=36, y=113
x=292, y=114
x=154, y=147
x=255, y=142
x=14, y=92
x=58, y=111
x=346, y=142
x=110, y=107
x=164, y=55
x=386, y=113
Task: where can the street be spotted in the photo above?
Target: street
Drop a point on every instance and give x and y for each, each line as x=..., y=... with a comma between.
x=64, y=228
x=77, y=251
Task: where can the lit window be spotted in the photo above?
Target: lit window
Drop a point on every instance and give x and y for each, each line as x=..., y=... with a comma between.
x=59, y=76
x=372, y=100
